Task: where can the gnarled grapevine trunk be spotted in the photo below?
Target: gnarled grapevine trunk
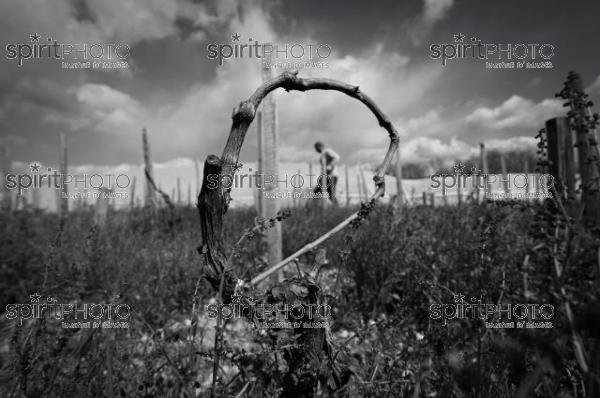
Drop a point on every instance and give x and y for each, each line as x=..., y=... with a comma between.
x=304, y=359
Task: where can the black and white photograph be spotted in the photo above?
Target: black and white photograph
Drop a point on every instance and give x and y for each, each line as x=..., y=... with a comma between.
x=277, y=198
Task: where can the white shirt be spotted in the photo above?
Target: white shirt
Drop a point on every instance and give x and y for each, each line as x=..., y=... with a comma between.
x=329, y=156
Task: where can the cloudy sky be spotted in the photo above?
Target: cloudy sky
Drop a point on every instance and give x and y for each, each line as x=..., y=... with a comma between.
x=185, y=99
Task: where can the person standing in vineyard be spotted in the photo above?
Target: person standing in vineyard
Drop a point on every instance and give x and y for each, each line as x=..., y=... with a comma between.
x=328, y=159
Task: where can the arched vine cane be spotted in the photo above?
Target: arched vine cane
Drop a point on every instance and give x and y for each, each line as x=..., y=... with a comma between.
x=214, y=202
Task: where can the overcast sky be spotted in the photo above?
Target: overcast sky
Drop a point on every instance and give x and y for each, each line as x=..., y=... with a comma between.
x=185, y=99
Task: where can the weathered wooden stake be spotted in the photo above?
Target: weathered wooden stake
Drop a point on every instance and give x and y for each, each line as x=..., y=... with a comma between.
x=132, y=197
x=197, y=177
x=35, y=198
x=260, y=189
x=347, y=182
x=505, y=181
x=22, y=201
x=536, y=186
x=148, y=170
x=526, y=172
x=476, y=177
x=460, y=179
x=189, y=196
x=323, y=181
x=5, y=164
x=560, y=152
x=484, y=169
x=101, y=209
x=399, y=190
x=63, y=204
x=296, y=201
x=363, y=181
x=583, y=123
x=270, y=166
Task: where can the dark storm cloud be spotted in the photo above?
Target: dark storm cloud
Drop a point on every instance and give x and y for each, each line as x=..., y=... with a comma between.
x=82, y=12
x=185, y=99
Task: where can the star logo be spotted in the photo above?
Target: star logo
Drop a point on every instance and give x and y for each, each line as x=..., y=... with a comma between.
x=459, y=168
x=35, y=38
x=34, y=167
x=235, y=37
x=459, y=38
x=458, y=298
x=35, y=298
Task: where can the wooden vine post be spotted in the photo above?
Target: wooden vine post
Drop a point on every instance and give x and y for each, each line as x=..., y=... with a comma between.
x=560, y=153
x=63, y=193
x=584, y=123
x=347, y=185
x=526, y=172
x=323, y=181
x=259, y=164
x=197, y=173
x=101, y=208
x=5, y=165
x=483, y=173
x=399, y=189
x=132, y=193
x=148, y=171
x=268, y=160
x=305, y=359
x=505, y=176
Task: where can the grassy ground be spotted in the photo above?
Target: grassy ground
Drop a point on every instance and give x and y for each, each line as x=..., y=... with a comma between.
x=382, y=282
